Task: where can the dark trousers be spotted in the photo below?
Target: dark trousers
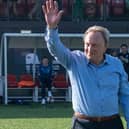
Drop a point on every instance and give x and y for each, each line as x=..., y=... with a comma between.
x=115, y=123
x=45, y=83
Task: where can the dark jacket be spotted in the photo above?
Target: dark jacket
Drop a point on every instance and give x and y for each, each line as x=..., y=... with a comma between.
x=45, y=71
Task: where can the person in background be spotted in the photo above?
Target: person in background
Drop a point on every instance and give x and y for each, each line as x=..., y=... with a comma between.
x=124, y=57
x=45, y=75
x=31, y=59
x=100, y=5
x=19, y=9
x=98, y=80
x=114, y=53
x=35, y=9
x=3, y=9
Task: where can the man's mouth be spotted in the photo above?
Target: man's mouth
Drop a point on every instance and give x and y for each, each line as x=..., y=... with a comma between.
x=92, y=54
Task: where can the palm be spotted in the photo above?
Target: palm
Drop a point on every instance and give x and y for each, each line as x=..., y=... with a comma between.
x=51, y=18
x=52, y=14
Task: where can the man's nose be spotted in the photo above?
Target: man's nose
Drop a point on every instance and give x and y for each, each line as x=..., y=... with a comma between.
x=91, y=48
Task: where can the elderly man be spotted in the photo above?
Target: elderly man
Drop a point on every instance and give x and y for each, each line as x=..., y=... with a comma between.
x=99, y=82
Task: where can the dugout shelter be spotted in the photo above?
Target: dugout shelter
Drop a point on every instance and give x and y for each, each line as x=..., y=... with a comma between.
x=15, y=44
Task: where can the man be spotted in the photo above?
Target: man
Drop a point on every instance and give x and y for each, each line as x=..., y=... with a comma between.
x=45, y=71
x=124, y=57
x=98, y=80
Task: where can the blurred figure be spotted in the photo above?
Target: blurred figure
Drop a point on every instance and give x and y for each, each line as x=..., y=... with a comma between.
x=3, y=9
x=55, y=67
x=30, y=6
x=77, y=11
x=45, y=75
x=100, y=6
x=19, y=9
x=124, y=57
x=34, y=9
x=31, y=59
x=114, y=53
x=90, y=8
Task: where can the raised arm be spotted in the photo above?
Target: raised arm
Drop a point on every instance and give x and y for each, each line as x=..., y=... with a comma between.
x=52, y=13
x=54, y=44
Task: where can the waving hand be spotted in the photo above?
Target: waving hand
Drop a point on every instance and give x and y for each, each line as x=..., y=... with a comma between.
x=52, y=13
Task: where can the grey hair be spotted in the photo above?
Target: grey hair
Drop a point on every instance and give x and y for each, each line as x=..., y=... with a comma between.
x=104, y=31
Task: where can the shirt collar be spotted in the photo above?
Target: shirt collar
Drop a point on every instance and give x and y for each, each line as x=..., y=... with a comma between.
x=106, y=60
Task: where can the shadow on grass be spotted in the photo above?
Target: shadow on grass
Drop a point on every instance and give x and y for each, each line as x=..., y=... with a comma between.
x=36, y=110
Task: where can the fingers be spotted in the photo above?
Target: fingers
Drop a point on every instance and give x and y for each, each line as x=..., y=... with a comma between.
x=47, y=6
x=60, y=14
x=51, y=2
x=55, y=5
x=50, y=10
x=44, y=9
x=50, y=5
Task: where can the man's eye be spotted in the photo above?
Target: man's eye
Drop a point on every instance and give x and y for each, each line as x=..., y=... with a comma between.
x=87, y=45
x=94, y=45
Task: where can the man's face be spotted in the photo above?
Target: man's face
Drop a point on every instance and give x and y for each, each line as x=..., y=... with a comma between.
x=94, y=46
x=124, y=49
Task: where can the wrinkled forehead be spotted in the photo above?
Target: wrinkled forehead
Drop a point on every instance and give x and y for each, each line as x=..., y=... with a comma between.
x=94, y=36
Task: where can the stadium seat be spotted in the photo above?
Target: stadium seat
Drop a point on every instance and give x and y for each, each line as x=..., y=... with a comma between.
x=59, y=81
x=12, y=81
x=26, y=80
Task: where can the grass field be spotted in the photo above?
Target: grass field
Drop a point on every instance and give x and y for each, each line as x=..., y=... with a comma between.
x=36, y=116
